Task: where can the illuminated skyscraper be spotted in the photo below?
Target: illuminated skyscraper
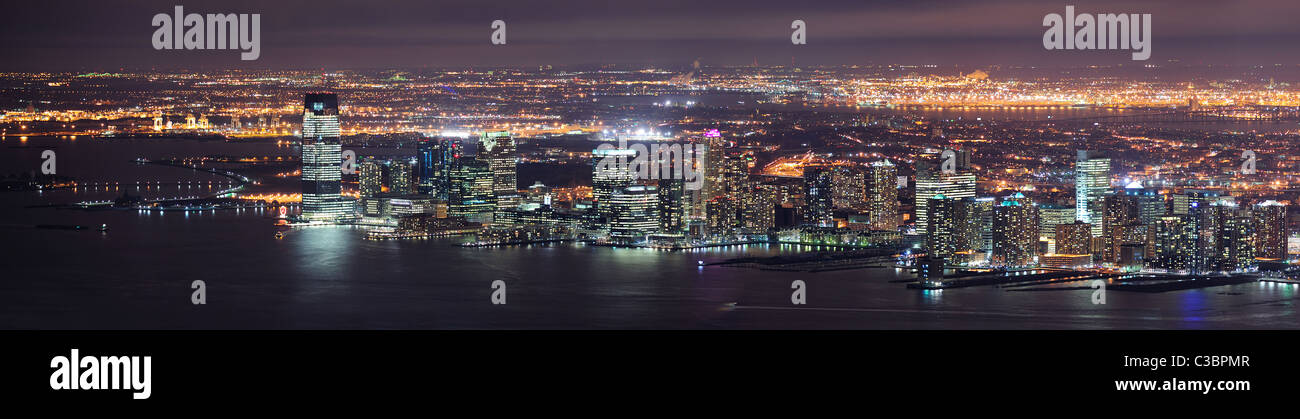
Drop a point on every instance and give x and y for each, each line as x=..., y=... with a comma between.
x=1050, y=216
x=1269, y=219
x=758, y=209
x=322, y=157
x=428, y=153
x=1091, y=182
x=850, y=187
x=714, y=164
x=370, y=177
x=634, y=213
x=953, y=226
x=672, y=196
x=401, y=177
x=721, y=215
x=930, y=183
x=471, y=196
x=608, y=174
x=1119, y=217
x=882, y=196
x=1073, y=239
x=1015, y=232
x=1233, y=232
x=498, y=149
x=1175, y=240
x=820, y=190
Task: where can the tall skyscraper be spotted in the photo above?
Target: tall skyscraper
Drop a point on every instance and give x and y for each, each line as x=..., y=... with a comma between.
x=447, y=159
x=1175, y=241
x=1015, y=232
x=819, y=185
x=882, y=196
x=608, y=176
x=1091, y=182
x=634, y=213
x=850, y=187
x=758, y=212
x=428, y=151
x=1119, y=219
x=471, y=196
x=322, y=157
x=1233, y=235
x=1269, y=219
x=1050, y=216
x=930, y=182
x=401, y=177
x=370, y=178
x=672, y=214
x=714, y=164
x=498, y=149
x=952, y=226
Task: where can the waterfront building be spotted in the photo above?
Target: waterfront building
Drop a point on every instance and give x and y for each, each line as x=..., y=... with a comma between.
x=634, y=213
x=882, y=196
x=498, y=149
x=322, y=158
x=1091, y=183
x=820, y=190
x=1269, y=226
x=1015, y=232
x=471, y=196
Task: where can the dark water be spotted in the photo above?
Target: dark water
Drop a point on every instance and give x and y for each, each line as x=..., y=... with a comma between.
x=138, y=275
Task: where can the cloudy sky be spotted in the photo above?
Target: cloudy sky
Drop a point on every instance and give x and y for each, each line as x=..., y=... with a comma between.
x=333, y=34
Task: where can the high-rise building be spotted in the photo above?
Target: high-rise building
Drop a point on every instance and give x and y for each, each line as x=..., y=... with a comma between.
x=634, y=212
x=672, y=214
x=1074, y=238
x=471, y=196
x=370, y=178
x=820, y=190
x=758, y=212
x=984, y=224
x=1233, y=235
x=1119, y=216
x=428, y=154
x=1050, y=216
x=735, y=176
x=322, y=157
x=850, y=187
x=1175, y=240
x=1091, y=183
x=1015, y=232
x=448, y=156
x=720, y=217
x=498, y=149
x=952, y=227
x=1269, y=219
x=401, y=177
x=930, y=183
x=608, y=176
x=714, y=163
x=1149, y=202
x=882, y=196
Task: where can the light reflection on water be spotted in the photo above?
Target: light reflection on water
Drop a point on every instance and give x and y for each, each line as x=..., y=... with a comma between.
x=138, y=275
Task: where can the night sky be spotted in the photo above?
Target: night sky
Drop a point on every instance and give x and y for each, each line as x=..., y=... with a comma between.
x=110, y=35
